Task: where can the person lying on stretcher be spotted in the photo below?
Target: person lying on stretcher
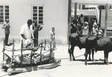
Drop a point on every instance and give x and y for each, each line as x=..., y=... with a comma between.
x=26, y=34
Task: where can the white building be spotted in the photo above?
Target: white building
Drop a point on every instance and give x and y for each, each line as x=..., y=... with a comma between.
x=50, y=13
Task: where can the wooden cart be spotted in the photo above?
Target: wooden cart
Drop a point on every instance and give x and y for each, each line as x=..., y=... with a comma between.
x=28, y=60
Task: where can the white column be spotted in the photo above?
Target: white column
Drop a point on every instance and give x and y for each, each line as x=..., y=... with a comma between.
x=106, y=20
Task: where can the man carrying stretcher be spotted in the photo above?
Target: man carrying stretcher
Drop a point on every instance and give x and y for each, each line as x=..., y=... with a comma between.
x=27, y=36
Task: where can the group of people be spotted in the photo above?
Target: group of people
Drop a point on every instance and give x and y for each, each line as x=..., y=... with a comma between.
x=87, y=28
x=28, y=32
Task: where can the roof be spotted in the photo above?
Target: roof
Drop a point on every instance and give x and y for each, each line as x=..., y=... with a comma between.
x=93, y=1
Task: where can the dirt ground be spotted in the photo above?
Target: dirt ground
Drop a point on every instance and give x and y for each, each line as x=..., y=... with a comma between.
x=69, y=68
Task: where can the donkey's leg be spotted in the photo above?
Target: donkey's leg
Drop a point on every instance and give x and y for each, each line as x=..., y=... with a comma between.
x=86, y=54
x=73, y=55
x=106, y=56
x=69, y=51
x=72, y=52
x=70, y=55
x=92, y=54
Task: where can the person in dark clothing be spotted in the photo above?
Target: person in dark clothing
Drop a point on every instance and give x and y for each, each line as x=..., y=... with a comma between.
x=81, y=19
x=36, y=29
x=6, y=28
x=73, y=27
x=91, y=25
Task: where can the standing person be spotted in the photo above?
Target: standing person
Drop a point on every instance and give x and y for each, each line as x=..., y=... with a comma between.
x=52, y=34
x=36, y=29
x=26, y=33
x=6, y=28
x=73, y=26
x=81, y=19
x=91, y=26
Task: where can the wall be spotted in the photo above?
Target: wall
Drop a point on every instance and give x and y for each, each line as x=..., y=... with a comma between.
x=109, y=20
x=55, y=14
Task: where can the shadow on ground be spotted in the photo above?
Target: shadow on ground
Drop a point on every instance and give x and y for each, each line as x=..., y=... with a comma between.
x=95, y=62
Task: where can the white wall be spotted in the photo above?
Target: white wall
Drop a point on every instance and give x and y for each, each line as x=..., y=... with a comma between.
x=55, y=14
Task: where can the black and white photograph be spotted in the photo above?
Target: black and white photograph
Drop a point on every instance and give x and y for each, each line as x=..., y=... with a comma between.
x=55, y=38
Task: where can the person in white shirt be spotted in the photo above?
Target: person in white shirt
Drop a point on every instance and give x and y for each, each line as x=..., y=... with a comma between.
x=95, y=23
x=95, y=28
x=26, y=33
x=85, y=29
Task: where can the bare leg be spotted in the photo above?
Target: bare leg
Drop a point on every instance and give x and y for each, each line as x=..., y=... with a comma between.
x=69, y=51
x=72, y=52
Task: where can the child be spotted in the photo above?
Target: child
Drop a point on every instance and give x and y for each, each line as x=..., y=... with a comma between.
x=52, y=34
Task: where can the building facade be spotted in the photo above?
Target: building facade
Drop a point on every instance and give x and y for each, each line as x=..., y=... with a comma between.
x=48, y=13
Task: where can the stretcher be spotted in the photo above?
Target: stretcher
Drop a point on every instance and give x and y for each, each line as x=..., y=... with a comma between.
x=25, y=60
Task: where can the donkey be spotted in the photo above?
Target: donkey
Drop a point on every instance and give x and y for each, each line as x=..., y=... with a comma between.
x=76, y=39
x=99, y=43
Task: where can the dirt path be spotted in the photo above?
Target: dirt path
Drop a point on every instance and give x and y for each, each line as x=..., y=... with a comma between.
x=71, y=68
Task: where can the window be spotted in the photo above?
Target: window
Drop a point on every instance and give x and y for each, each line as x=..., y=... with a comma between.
x=1, y=14
x=38, y=13
x=4, y=13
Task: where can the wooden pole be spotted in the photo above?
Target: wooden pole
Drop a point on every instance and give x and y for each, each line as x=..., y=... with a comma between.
x=13, y=53
x=51, y=49
x=69, y=16
x=3, y=49
x=45, y=45
x=100, y=16
x=21, y=52
x=75, y=11
x=106, y=19
x=41, y=53
x=69, y=20
x=32, y=45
